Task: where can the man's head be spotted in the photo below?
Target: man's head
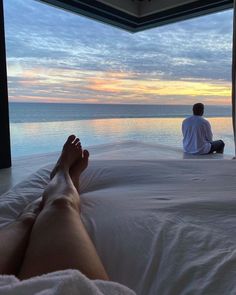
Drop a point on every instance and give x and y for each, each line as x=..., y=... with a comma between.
x=198, y=109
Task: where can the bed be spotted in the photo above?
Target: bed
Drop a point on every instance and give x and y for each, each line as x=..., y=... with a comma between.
x=163, y=227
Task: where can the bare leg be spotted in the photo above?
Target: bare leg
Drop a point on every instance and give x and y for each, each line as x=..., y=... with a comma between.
x=59, y=239
x=78, y=167
x=14, y=239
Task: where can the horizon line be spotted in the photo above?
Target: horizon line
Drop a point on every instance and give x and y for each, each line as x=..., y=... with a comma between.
x=142, y=104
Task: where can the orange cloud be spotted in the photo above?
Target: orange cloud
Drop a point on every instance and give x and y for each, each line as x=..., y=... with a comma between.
x=66, y=85
x=158, y=87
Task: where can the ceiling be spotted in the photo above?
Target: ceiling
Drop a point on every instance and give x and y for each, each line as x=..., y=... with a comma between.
x=138, y=15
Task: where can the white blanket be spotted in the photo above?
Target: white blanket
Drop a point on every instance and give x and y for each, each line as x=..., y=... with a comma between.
x=70, y=282
x=165, y=227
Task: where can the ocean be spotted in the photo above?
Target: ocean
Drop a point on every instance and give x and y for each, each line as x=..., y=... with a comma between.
x=38, y=128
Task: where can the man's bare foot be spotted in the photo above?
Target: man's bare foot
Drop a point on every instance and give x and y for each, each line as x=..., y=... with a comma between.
x=79, y=166
x=31, y=211
x=71, y=152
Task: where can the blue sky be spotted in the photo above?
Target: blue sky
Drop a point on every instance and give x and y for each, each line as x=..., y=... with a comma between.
x=55, y=56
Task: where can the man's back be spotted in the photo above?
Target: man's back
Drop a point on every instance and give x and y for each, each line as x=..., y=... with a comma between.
x=197, y=135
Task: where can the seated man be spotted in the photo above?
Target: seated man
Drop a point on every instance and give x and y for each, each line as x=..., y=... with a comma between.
x=198, y=135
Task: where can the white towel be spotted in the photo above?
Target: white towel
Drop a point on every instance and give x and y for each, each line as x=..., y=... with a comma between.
x=71, y=282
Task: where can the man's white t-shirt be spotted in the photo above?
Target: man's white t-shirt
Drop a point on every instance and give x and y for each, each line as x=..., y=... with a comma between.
x=197, y=135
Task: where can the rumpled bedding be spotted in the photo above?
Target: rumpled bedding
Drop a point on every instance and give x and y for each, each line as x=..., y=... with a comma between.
x=70, y=282
x=161, y=227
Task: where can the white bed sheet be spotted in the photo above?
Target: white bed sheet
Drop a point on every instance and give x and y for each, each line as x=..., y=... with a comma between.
x=163, y=227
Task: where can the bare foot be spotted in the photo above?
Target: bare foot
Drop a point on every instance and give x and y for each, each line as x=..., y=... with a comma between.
x=31, y=211
x=79, y=166
x=70, y=153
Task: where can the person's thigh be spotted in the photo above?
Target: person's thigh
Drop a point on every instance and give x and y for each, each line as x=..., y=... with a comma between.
x=59, y=241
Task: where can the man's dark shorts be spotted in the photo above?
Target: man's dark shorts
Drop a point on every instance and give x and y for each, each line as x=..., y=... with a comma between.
x=217, y=146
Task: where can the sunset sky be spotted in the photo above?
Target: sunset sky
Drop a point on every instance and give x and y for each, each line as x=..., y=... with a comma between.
x=55, y=56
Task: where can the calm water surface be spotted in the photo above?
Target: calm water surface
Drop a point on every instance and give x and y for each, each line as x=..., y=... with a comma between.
x=59, y=112
x=43, y=137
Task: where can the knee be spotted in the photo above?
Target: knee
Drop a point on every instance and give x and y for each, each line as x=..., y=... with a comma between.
x=64, y=203
x=223, y=144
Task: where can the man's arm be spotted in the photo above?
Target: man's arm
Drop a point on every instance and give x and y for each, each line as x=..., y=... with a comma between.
x=183, y=127
x=209, y=135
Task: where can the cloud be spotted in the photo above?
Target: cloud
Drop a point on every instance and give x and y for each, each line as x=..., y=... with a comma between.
x=57, y=54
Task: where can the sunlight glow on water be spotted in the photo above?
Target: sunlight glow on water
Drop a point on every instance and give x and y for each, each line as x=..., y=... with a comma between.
x=39, y=138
